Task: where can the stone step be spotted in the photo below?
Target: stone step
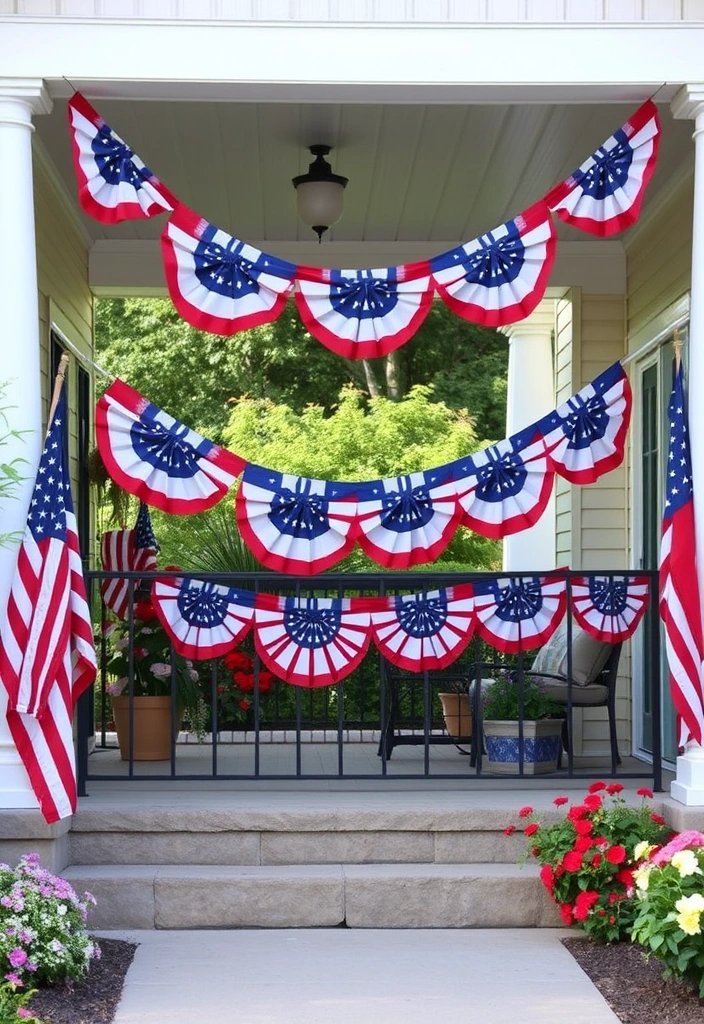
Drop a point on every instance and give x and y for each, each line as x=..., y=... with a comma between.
x=315, y=896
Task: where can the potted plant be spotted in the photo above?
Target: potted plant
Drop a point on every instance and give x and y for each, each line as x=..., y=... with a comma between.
x=520, y=723
x=154, y=661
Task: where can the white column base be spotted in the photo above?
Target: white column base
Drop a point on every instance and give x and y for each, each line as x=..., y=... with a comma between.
x=688, y=787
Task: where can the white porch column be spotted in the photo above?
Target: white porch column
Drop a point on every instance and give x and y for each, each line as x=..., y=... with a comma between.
x=531, y=394
x=688, y=786
x=20, y=368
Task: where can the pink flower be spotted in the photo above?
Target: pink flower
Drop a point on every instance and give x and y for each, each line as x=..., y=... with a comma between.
x=17, y=957
x=22, y=1011
x=14, y=979
x=680, y=842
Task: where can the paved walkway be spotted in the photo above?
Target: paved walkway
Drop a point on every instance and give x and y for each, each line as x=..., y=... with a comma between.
x=341, y=976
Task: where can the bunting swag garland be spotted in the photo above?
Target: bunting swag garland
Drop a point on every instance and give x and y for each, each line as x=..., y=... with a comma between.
x=204, y=620
x=311, y=641
x=421, y=632
x=217, y=282
x=501, y=277
x=519, y=613
x=223, y=285
x=610, y=608
x=604, y=195
x=302, y=526
x=161, y=461
x=364, y=314
x=113, y=183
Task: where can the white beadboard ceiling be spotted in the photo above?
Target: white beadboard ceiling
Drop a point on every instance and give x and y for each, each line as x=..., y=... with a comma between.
x=420, y=173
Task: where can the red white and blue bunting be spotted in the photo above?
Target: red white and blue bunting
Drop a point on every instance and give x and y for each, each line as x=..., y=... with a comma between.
x=217, y=282
x=519, y=613
x=317, y=641
x=223, y=285
x=605, y=193
x=311, y=641
x=303, y=526
x=610, y=607
x=113, y=183
x=204, y=620
x=158, y=459
x=500, y=277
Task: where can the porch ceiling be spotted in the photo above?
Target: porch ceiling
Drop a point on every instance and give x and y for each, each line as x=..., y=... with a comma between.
x=427, y=173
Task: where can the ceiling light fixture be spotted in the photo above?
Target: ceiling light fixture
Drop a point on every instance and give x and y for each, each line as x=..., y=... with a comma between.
x=319, y=193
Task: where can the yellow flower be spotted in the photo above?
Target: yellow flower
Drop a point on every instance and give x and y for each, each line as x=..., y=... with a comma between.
x=689, y=912
x=641, y=877
x=643, y=850
x=686, y=863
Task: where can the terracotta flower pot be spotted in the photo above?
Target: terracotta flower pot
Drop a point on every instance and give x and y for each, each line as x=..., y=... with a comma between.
x=457, y=714
x=152, y=727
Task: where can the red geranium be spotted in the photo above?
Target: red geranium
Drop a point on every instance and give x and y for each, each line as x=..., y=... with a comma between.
x=614, y=788
x=576, y=812
x=572, y=861
x=510, y=830
x=144, y=611
x=566, y=913
x=238, y=661
x=593, y=802
x=244, y=704
x=547, y=877
x=560, y=800
x=596, y=786
x=245, y=681
x=582, y=844
x=616, y=854
x=596, y=860
x=645, y=792
x=583, y=827
x=625, y=876
x=531, y=829
x=525, y=812
x=658, y=819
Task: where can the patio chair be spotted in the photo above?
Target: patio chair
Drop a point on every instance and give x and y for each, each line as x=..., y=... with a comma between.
x=594, y=672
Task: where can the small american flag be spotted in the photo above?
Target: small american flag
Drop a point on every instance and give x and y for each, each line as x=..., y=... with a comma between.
x=679, y=592
x=47, y=657
x=127, y=551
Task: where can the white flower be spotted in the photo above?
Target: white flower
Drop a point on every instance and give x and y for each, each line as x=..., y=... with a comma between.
x=641, y=876
x=686, y=863
x=689, y=912
x=643, y=850
x=161, y=670
x=61, y=909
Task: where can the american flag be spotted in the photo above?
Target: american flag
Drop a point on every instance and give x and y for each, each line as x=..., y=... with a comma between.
x=127, y=551
x=679, y=592
x=47, y=657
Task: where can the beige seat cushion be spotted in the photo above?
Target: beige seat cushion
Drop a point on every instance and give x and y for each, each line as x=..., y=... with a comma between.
x=591, y=694
x=588, y=656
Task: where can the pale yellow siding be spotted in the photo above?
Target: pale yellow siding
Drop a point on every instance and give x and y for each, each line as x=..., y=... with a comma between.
x=62, y=268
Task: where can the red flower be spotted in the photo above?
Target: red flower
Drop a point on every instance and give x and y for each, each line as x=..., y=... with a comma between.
x=572, y=861
x=245, y=681
x=172, y=568
x=614, y=897
x=266, y=681
x=593, y=802
x=625, y=877
x=583, y=904
x=596, y=786
x=221, y=689
x=614, y=788
x=547, y=877
x=616, y=854
x=560, y=800
x=566, y=913
x=244, y=705
x=601, y=913
x=658, y=819
x=144, y=611
x=559, y=871
x=238, y=661
x=612, y=920
x=645, y=792
x=583, y=827
x=600, y=841
x=596, y=860
x=582, y=844
x=530, y=830
x=576, y=812
x=510, y=830
x=524, y=812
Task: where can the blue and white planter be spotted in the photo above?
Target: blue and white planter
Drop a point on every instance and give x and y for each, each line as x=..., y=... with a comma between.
x=541, y=746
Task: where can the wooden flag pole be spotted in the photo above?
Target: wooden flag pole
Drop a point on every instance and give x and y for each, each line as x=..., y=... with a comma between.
x=58, y=384
x=678, y=349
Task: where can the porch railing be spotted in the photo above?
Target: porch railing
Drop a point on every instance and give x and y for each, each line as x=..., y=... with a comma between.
x=357, y=723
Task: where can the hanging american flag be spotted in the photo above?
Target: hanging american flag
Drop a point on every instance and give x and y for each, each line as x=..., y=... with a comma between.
x=127, y=551
x=679, y=592
x=47, y=657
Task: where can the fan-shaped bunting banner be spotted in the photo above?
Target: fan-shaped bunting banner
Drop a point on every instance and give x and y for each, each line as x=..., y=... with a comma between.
x=364, y=314
x=505, y=488
x=519, y=613
x=585, y=436
x=217, y=282
x=204, y=620
x=500, y=277
x=610, y=607
x=605, y=193
x=113, y=183
x=161, y=461
x=293, y=524
x=421, y=632
x=311, y=641
x=407, y=520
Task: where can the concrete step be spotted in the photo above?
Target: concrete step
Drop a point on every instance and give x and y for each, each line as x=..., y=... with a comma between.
x=315, y=896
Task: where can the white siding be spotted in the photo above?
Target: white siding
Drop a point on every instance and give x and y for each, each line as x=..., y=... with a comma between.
x=371, y=11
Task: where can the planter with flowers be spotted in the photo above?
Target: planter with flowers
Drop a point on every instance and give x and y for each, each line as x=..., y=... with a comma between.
x=588, y=857
x=236, y=690
x=503, y=715
x=155, y=716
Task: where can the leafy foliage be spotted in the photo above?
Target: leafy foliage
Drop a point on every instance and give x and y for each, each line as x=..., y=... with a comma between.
x=10, y=476
x=588, y=857
x=502, y=699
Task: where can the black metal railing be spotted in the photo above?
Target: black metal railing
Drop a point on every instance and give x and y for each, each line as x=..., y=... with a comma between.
x=351, y=729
